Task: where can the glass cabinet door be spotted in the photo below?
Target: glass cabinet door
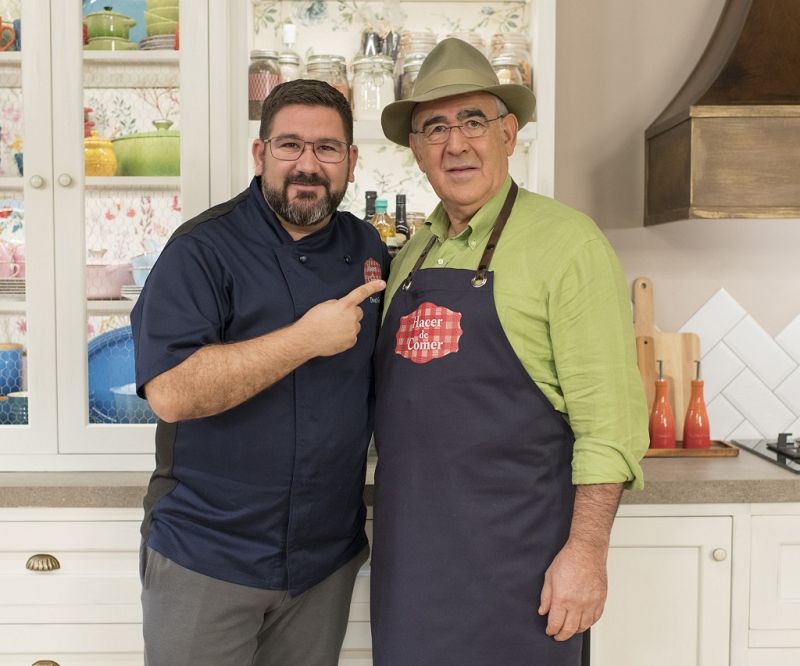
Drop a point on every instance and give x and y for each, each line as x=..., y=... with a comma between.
x=135, y=85
x=27, y=348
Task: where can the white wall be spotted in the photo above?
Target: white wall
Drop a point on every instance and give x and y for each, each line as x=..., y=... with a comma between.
x=619, y=62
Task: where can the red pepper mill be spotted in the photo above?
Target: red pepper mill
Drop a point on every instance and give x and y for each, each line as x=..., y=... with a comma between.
x=696, y=430
x=662, y=423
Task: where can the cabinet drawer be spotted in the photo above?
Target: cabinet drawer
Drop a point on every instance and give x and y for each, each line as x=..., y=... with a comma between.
x=71, y=644
x=97, y=580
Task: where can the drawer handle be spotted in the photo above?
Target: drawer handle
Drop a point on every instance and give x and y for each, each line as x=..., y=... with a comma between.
x=45, y=662
x=719, y=554
x=43, y=562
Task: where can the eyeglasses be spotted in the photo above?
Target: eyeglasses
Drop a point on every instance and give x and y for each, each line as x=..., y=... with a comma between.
x=289, y=149
x=471, y=129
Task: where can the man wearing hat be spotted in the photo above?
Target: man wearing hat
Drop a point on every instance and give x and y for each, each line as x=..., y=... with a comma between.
x=507, y=336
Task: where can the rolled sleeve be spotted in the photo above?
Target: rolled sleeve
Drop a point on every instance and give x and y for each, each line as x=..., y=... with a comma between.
x=182, y=308
x=595, y=356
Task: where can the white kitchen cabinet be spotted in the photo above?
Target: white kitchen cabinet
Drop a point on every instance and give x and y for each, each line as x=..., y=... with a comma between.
x=68, y=216
x=774, y=636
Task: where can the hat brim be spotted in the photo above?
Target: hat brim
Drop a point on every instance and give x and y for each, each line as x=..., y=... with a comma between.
x=396, y=117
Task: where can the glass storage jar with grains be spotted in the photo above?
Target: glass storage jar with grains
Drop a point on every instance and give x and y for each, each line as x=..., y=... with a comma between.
x=329, y=68
x=413, y=46
x=373, y=86
x=507, y=69
x=516, y=44
x=263, y=75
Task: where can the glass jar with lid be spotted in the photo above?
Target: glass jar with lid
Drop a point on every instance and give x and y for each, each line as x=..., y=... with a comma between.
x=290, y=67
x=410, y=71
x=506, y=67
x=413, y=45
x=329, y=68
x=517, y=44
x=263, y=75
x=373, y=86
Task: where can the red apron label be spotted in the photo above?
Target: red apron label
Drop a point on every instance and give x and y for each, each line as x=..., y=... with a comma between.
x=372, y=270
x=428, y=333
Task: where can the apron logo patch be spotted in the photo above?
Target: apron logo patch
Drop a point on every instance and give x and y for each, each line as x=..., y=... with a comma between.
x=372, y=270
x=428, y=333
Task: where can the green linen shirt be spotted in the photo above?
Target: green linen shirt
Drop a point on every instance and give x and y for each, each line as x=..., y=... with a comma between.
x=562, y=300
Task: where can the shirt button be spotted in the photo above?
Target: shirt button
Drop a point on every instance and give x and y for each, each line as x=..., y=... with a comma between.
x=472, y=243
x=440, y=262
x=302, y=258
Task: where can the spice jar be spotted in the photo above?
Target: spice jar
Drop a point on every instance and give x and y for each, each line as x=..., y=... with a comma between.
x=263, y=75
x=330, y=69
x=507, y=69
x=516, y=44
x=373, y=86
x=290, y=68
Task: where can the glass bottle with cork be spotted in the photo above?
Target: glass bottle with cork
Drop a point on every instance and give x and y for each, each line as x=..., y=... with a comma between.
x=400, y=223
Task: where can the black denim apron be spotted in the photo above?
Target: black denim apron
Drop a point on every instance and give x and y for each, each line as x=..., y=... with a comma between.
x=473, y=490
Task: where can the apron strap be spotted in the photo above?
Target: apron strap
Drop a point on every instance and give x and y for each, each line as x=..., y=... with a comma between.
x=479, y=279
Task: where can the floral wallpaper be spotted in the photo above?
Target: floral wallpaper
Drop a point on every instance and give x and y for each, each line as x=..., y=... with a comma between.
x=120, y=111
x=10, y=131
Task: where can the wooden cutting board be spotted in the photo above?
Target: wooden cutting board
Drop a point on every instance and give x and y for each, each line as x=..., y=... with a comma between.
x=678, y=351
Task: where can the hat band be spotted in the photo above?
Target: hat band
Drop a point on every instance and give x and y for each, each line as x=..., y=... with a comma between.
x=466, y=77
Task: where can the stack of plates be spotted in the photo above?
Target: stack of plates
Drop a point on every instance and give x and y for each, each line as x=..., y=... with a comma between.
x=130, y=291
x=12, y=289
x=158, y=42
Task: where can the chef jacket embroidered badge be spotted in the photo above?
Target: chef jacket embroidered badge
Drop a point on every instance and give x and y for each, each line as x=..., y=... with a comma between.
x=429, y=332
x=372, y=270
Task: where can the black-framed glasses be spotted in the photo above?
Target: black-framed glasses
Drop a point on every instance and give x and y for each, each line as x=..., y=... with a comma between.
x=289, y=149
x=472, y=128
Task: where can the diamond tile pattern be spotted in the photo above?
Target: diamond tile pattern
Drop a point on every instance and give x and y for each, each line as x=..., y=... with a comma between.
x=752, y=381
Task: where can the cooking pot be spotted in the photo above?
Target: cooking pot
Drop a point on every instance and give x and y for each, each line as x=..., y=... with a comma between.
x=98, y=156
x=149, y=153
x=108, y=24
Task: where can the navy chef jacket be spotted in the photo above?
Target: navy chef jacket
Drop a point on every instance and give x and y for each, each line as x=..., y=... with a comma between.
x=270, y=493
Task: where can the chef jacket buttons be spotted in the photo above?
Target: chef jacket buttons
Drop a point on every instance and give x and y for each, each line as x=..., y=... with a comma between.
x=347, y=259
x=302, y=258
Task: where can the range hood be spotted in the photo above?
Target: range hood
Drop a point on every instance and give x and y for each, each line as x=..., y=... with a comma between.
x=728, y=144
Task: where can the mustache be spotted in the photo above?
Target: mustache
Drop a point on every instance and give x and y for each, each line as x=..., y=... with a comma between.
x=307, y=179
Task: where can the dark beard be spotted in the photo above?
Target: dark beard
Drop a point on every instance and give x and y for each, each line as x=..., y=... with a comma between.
x=306, y=210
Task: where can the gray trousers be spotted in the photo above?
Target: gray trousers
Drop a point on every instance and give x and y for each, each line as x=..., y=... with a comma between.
x=192, y=619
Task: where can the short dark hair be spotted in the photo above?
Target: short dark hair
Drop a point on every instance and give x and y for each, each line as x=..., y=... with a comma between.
x=307, y=92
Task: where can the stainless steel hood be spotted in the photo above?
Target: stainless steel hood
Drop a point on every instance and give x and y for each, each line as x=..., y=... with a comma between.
x=728, y=144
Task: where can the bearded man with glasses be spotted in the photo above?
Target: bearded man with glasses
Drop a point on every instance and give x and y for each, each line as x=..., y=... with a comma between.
x=254, y=337
x=507, y=332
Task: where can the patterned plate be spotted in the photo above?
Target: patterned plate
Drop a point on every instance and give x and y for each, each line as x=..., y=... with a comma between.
x=12, y=289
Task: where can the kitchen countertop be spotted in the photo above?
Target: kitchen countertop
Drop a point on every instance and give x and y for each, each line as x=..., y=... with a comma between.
x=743, y=479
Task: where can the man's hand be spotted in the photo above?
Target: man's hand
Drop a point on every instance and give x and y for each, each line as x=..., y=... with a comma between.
x=333, y=326
x=576, y=583
x=574, y=591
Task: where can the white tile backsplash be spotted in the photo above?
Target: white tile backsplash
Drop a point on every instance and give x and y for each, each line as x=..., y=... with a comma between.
x=760, y=352
x=750, y=396
x=789, y=339
x=746, y=431
x=719, y=367
x=716, y=318
x=789, y=391
x=723, y=417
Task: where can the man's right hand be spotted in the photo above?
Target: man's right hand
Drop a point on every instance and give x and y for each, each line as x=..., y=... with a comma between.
x=333, y=326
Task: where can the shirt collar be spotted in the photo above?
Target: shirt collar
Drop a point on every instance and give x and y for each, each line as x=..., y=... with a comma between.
x=480, y=226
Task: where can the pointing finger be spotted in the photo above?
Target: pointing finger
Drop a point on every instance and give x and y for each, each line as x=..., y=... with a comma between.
x=364, y=291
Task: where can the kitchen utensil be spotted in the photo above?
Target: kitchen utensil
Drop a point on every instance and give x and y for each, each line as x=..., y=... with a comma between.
x=104, y=281
x=162, y=28
x=161, y=14
x=109, y=44
x=108, y=23
x=679, y=351
x=8, y=36
x=10, y=367
x=149, y=153
x=646, y=360
x=98, y=156
x=18, y=407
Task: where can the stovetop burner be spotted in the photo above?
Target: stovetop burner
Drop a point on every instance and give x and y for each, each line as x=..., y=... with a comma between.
x=784, y=452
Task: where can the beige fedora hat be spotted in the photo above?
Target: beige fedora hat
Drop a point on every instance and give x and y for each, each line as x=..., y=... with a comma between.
x=454, y=68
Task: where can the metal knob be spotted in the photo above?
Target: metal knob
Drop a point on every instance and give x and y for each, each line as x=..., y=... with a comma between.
x=65, y=180
x=719, y=554
x=42, y=562
x=36, y=181
x=45, y=662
